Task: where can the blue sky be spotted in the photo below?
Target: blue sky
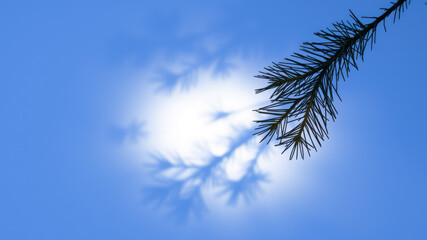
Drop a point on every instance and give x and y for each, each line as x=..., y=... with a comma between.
x=132, y=120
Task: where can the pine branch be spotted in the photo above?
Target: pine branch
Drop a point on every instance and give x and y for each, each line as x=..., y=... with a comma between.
x=304, y=86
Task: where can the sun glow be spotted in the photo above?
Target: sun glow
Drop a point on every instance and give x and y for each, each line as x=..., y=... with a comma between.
x=200, y=141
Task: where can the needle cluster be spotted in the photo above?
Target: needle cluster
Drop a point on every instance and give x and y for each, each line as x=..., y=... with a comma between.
x=304, y=86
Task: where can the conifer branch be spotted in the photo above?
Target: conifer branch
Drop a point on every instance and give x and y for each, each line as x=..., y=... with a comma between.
x=304, y=86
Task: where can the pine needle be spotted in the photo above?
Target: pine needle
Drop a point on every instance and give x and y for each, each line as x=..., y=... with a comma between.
x=304, y=86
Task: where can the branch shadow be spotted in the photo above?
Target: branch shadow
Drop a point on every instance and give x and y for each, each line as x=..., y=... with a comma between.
x=132, y=132
x=168, y=81
x=177, y=185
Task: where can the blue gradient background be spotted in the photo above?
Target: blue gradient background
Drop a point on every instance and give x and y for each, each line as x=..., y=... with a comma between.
x=68, y=77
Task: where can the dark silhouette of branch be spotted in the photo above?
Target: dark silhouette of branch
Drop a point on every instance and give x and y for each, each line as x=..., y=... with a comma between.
x=182, y=196
x=304, y=86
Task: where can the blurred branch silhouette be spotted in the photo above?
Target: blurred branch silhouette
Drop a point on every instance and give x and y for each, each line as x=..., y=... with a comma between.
x=185, y=78
x=178, y=184
x=133, y=132
x=304, y=86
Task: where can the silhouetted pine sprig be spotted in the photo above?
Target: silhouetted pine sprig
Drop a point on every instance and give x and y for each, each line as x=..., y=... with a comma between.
x=304, y=85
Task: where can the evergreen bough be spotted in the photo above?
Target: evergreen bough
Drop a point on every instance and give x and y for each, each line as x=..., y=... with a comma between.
x=304, y=86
